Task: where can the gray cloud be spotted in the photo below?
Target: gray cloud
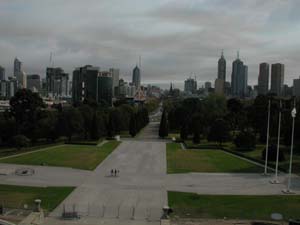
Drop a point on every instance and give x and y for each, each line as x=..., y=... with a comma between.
x=175, y=38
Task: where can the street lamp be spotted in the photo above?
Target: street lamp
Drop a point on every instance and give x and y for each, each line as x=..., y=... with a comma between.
x=293, y=114
x=268, y=135
x=275, y=181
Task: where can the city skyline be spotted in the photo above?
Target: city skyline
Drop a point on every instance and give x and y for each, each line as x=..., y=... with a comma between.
x=174, y=38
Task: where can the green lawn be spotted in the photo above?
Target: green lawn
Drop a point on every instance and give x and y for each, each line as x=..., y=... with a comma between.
x=76, y=156
x=183, y=161
x=233, y=207
x=18, y=196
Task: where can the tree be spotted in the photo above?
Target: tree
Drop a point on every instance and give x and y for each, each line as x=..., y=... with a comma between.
x=24, y=107
x=163, y=127
x=20, y=141
x=183, y=132
x=111, y=126
x=70, y=122
x=219, y=132
x=245, y=140
x=132, y=125
x=94, y=130
x=86, y=112
x=272, y=154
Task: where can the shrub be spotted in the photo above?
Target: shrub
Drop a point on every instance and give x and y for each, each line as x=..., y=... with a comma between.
x=20, y=141
x=245, y=140
x=272, y=153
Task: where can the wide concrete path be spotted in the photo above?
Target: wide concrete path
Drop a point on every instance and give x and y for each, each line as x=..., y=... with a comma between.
x=43, y=176
x=137, y=193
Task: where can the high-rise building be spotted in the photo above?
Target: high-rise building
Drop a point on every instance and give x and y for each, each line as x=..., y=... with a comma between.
x=136, y=77
x=3, y=88
x=263, y=79
x=91, y=84
x=2, y=73
x=84, y=83
x=277, y=79
x=12, y=86
x=207, y=85
x=34, y=82
x=115, y=79
x=222, y=68
x=219, y=86
x=22, y=79
x=17, y=67
x=239, y=78
x=190, y=85
x=296, y=87
x=105, y=86
x=57, y=82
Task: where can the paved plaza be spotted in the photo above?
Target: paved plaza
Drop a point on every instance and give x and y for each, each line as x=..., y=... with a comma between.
x=138, y=193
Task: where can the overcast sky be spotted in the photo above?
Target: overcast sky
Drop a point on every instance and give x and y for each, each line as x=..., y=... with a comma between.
x=175, y=38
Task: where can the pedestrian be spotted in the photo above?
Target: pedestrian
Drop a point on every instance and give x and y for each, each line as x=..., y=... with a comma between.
x=115, y=172
x=112, y=172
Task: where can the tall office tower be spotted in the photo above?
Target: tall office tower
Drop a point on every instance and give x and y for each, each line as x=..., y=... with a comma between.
x=34, y=82
x=296, y=87
x=17, y=67
x=12, y=86
x=263, y=79
x=22, y=79
x=222, y=68
x=239, y=78
x=84, y=83
x=136, y=77
x=219, y=86
x=277, y=79
x=3, y=88
x=207, y=85
x=57, y=82
x=190, y=85
x=2, y=73
x=115, y=79
x=105, y=91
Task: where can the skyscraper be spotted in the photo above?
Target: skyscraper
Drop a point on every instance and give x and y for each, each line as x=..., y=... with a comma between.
x=296, y=87
x=115, y=79
x=17, y=67
x=222, y=68
x=239, y=78
x=136, y=77
x=277, y=79
x=190, y=85
x=263, y=79
x=2, y=73
x=219, y=86
x=34, y=82
x=57, y=82
x=91, y=84
x=105, y=84
x=85, y=83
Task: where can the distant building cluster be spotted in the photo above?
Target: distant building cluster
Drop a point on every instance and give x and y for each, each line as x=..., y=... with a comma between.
x=88, y=83
x=269, y=81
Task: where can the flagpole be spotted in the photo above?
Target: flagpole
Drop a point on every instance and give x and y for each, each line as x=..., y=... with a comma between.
x=275, y=181
x=267, y=144
x=293, y=114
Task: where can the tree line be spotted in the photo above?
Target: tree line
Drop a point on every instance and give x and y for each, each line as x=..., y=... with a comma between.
x=242, y=121
x=28, y=121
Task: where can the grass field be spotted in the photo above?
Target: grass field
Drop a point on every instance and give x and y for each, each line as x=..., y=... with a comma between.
x=75, y=156
x=18, y=196
x=233, y=207
x=183, y=161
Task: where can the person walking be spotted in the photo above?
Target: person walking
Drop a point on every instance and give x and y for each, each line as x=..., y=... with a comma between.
x=112, y=172
x=115, y=172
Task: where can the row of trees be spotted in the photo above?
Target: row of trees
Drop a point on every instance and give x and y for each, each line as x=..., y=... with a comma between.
x=29, y=117
x=218, y=119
